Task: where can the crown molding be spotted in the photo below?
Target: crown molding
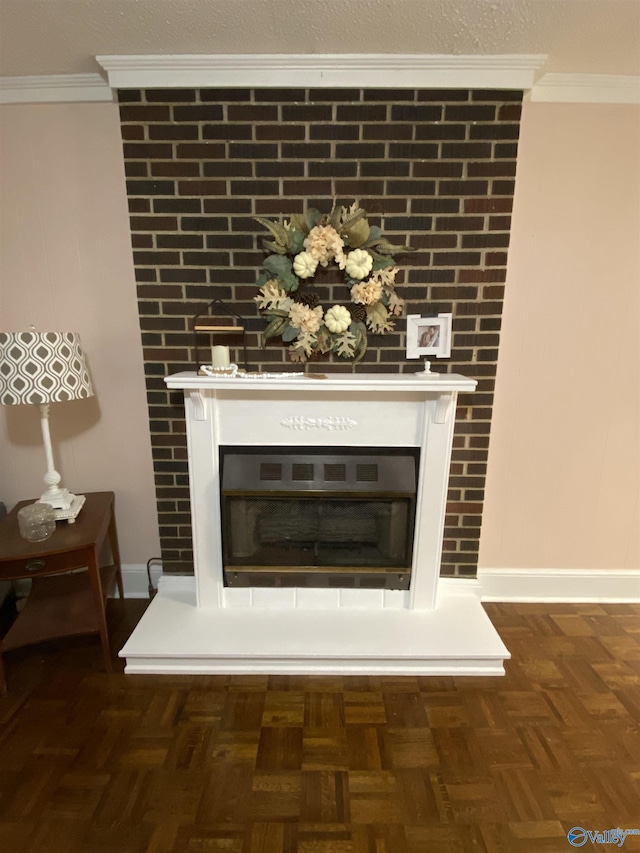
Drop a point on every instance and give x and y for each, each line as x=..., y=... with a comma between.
x=54, y=88
x=323, y=71
x=328, y=71
x=587, y=89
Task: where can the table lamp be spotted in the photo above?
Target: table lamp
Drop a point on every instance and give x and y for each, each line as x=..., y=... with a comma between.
x=41, y=368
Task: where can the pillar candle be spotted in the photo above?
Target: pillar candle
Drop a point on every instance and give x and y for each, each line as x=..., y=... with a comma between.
x=220, y=356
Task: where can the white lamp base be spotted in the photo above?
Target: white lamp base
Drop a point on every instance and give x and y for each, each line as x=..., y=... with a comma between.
x=66, y=506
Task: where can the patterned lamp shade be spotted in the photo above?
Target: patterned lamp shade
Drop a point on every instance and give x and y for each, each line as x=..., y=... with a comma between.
x=42, y=367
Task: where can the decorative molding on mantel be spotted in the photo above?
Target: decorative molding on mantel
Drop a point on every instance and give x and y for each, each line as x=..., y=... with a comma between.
x=54, y=88
x=336, y=70
x=587, y=89
x=329, y=422
x=443, y=406
x=199, y=405
x=571, y=586
x=324, y=71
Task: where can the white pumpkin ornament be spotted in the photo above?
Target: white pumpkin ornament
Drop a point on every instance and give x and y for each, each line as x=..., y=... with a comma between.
x=359, y=264
x=337, y=319
x=304, y=265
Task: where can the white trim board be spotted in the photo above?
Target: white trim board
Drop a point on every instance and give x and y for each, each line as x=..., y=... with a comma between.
x=340, y=70
x=525, y=585
x=54, y=88
x=136, y=582
x=587, y=89
x=572, y=586
x=324, y=71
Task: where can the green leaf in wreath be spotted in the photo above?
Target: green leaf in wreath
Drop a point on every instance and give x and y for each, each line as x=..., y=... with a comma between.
x=280, y=266
x=384, y=247
x=380, y=262
x=277, y=231
x=374, y=234
x=271, y=246
x=263, y=278
x=352, y=217
x=312, y=217
x=277, y=264
x=299, y=222
x=290, y=334
x=357, y=234
x=289, y=282
x=335, y=217
x=275, y=328
x=360, y=331
x=295, y=241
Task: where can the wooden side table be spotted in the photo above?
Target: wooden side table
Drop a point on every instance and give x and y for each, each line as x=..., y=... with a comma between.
x=63, y=601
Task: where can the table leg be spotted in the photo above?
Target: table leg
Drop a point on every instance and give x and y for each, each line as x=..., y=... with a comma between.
x=3, y=680
x=98, y=597
x=115, y=551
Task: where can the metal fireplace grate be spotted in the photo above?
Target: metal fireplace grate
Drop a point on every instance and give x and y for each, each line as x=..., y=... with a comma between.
x=318, y=517
x=367, y=473
x=270, y=471
x=387, y=472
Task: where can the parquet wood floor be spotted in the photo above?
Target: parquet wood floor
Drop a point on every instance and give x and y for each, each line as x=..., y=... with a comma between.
x=97, y=763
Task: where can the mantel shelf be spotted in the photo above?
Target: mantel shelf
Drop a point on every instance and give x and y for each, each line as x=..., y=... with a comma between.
x=419, y=383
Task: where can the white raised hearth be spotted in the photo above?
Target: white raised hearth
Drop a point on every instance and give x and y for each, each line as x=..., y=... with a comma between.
x=198, y=625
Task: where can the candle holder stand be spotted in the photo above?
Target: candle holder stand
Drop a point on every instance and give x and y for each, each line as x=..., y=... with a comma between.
x=209, y=321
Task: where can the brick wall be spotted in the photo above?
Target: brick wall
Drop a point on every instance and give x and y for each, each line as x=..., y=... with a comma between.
x=434, y=169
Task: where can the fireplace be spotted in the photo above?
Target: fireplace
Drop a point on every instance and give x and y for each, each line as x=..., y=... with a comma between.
x=318, y=517
x=437, y=166
x=318, y=509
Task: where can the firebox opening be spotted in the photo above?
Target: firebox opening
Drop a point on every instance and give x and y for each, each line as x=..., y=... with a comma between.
x=318, y=516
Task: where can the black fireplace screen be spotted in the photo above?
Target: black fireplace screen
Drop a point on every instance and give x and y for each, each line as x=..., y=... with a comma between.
x=318, y=516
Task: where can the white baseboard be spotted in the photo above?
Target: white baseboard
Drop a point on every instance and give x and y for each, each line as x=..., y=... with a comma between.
x=572, y=586
x=136, y=582
x=526, y=585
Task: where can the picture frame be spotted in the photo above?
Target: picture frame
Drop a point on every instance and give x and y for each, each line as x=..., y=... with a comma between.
x=429, y=336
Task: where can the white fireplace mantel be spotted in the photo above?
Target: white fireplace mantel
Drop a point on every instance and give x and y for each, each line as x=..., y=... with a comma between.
x=199, y=625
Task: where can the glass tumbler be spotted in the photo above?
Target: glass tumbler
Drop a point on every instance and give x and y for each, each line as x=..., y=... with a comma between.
x=36, y=522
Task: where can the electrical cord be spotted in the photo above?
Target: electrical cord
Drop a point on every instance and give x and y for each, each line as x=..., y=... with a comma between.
x=152, y=589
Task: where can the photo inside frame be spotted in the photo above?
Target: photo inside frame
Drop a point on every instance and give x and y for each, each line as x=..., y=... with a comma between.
x=428, y=336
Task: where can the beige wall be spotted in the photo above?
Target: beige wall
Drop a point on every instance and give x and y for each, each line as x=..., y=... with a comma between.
x=562, y=488
x=65, y=264
x=562, y=485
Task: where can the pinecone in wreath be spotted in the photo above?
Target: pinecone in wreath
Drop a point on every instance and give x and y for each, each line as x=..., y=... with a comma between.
x=310, y=298
x=358, y=313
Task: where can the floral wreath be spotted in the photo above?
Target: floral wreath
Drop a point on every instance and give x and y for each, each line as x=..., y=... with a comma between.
x=298, y=247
